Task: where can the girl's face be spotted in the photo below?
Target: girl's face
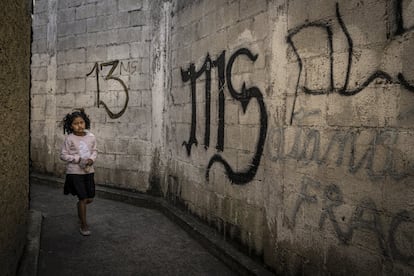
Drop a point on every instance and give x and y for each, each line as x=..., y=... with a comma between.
x=78, y=126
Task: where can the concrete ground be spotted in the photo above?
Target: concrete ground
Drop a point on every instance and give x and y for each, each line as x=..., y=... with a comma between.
x=125, y=240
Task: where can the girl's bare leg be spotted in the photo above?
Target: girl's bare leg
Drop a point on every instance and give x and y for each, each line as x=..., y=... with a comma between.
x=82, y=214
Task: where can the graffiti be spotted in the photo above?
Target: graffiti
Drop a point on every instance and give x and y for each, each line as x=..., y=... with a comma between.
x=399, y=19
x=306, y=147
x=220, y=64
x=244, y=97
x=129, y=68
x=364, y=217
x=192, y=75
x=109, y=76
x=344, y=90
x=397, y=221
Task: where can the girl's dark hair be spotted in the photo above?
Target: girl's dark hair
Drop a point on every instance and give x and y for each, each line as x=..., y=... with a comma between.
x=67, y=121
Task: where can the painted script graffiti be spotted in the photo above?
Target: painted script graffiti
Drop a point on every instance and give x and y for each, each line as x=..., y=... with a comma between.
x=307, y=147
x=344, y=90
x=365, y=216
x=244, y=97
x=109, y=76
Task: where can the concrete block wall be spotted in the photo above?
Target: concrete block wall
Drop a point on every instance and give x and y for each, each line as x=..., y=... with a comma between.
x=285, y=125
x=15, y=25
x=93, y=54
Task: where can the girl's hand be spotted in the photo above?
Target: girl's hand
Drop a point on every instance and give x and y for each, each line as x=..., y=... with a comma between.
x=89, y=162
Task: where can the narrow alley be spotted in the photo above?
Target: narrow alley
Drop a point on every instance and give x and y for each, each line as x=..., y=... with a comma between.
x=125, y=240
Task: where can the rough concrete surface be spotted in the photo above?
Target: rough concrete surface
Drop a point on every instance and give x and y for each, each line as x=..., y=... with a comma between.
x=29, y=262
x=15, y=30
x=125, y=240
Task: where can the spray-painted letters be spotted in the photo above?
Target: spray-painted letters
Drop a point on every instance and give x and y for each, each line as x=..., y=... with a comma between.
x=109, y=76
x=365, y=216
x=244, y=97
x=342, y=149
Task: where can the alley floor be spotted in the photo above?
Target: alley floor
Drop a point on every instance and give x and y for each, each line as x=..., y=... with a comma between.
x=125, y=240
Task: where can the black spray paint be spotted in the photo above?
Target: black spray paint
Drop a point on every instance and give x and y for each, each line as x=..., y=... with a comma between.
x=307, y=147
x=191, y=75
x=399, y=19
x=244, y=97
x=344, y=90
x=365, y=216
x=220, y=63
x=397, y=221
x=97, y=67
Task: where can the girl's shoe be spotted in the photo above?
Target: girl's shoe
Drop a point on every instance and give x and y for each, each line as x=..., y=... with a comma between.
x=84, y=232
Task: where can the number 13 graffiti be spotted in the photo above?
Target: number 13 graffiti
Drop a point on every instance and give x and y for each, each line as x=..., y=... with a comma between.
x=109, y=76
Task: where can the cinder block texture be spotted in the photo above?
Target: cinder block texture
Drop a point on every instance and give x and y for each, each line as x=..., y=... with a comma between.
x=286, y=125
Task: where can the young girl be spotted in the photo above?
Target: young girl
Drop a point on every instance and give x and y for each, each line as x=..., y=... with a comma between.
x=79, y=151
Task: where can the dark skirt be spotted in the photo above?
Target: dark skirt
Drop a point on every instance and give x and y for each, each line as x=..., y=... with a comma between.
x=81, y=185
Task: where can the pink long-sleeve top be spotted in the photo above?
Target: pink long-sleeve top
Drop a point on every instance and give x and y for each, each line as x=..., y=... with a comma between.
x=71, y=152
